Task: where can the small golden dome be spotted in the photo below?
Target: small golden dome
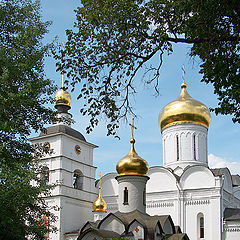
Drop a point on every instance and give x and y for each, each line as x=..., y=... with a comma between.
x=132, y=164
x=184, y=109
x=99, y=205
x=62, y=97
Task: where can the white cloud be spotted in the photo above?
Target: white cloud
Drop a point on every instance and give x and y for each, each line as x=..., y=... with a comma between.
x=218, y=162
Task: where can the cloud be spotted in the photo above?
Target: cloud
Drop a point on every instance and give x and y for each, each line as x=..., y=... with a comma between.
x=219, y=162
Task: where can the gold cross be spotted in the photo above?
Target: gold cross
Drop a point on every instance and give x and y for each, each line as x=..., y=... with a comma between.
x=63, y=46
x=184, y=72
x=133, y=127
x=100, y=179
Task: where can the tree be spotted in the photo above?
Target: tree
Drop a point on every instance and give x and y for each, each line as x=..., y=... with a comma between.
x=114, y=39
x=23, y=92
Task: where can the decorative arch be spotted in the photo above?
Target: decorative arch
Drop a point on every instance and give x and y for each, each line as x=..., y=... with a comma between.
x=197, y=176
x=137, y=229
x=78, y=179
x=112, y=223
x=161, y=179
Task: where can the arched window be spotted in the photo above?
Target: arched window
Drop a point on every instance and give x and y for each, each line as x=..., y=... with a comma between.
x=78, y=179
x=201, y=228
x=177, y=140
x=125, y=196
x=45, y=175
x=194, y=148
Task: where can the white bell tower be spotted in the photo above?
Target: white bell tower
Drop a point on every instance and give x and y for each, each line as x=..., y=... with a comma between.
x=70, y=168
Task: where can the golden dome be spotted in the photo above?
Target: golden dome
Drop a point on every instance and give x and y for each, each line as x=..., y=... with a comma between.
x=62, y=97
x=99, y=205
x=132, y=164
x=184, y=109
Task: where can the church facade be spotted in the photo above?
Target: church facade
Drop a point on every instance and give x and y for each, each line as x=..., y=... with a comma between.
x=183, y=199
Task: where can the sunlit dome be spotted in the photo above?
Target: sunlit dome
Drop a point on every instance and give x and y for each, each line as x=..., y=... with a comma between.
x=132, y=163
x=184, y=109
x=62, y=97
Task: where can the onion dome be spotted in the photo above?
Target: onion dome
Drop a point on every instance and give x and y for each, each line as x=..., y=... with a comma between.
x=62, y=97
x=132, y=164
x=184, y=109
x=99, y=205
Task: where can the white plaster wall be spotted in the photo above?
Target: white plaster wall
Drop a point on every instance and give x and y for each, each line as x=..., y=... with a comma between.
x=161, y=179
x=135, y=186
x=231, y=230
x=196, y=177
x=74, y=214
x=113, y=224
x=109, y=185
x=185, y=133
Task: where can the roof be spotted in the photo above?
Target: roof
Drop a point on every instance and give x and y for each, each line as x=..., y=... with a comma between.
x=100, y=232
x=63, y=129
x=236, y=180
x=218, y=172
x=179, y=236
x=231, y=214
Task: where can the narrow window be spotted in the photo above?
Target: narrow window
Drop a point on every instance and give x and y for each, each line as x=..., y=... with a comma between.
x=45, y=175
x=201, y=227
x=177, y=147
x=194, y=147
x=125, y=196
x=144, y=197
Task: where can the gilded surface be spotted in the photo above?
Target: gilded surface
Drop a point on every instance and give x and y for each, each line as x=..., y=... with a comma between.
x=184, y=109
x=62, y=97
x=99, y=205
x=132, y=163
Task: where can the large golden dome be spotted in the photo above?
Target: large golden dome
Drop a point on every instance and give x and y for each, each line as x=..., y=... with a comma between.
x=132, y=164
x=184, y=109
x=62, y=97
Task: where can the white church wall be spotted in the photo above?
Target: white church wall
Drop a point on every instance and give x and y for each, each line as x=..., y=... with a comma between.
x=74, y=214
x=112, y=223
x=161, y=179
x=109, y=185
x=184, y=145
x=231, y=230
x=135, y=186
x=196, y=177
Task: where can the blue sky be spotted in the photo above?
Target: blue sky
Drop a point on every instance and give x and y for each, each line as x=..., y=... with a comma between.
x=224, y=135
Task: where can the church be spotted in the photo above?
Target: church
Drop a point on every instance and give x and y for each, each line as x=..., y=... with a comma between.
x=183, y=199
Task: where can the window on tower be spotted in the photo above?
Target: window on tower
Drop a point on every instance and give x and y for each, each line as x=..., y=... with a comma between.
x=125, y=196
x=194, y=147
x=177, y=139
x=45, y=175
x=144, y=197
x=78, y=179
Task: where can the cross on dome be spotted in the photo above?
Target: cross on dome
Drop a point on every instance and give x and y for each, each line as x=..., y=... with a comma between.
x=184, y=72
x=63, y=46
x=133, y=127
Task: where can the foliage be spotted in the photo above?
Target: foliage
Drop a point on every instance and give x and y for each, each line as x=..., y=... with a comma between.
x=23, y=93
x=114, y=39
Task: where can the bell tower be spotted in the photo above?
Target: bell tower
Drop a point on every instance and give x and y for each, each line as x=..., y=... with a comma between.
x=69, y=167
